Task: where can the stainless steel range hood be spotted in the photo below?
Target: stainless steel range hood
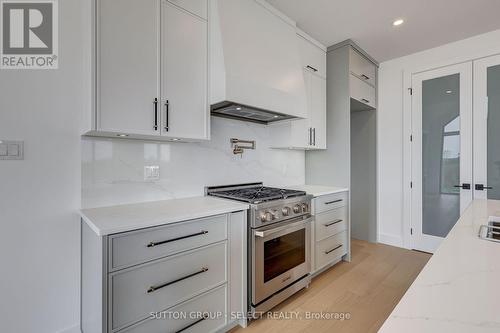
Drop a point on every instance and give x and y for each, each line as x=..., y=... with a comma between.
x=256, y=73
x=247, y=113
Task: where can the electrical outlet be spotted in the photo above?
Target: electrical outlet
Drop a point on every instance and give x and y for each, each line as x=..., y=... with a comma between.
x=11, y=150
x=151, y=172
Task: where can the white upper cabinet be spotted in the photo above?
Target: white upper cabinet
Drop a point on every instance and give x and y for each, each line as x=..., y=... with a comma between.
x=184, y=87
x=152, y=69
x=312, y=56
x=128, y=66
x=362, y=82
x=309, y=133
x=362, y=92
x=317, y=109
x=362, y=68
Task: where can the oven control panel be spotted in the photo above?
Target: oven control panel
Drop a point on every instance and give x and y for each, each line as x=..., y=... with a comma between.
x=283, y=212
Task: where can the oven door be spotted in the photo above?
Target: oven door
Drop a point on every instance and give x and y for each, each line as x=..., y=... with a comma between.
x=280, y=256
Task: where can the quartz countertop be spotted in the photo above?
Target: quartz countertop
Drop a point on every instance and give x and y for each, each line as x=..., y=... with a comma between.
x=115, y=219
x=457, y=291
x=318, y=190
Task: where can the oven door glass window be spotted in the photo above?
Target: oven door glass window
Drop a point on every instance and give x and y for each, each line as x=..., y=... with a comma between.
x=283, y=253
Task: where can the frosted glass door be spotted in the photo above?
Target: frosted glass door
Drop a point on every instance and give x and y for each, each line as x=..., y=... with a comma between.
x=442, y=152
x=487, y=128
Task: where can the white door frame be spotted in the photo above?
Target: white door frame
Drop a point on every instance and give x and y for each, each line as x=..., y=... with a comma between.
x=414, y=213
x=481, y=122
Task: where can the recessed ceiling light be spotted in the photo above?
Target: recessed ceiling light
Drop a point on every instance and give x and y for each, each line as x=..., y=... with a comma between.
x=175, y=139
x=276, y=116
x=122, y=135
x=398, y=22
x=449, y=91
x=238, y=109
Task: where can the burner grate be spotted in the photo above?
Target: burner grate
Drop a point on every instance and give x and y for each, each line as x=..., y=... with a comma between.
x=258, y=194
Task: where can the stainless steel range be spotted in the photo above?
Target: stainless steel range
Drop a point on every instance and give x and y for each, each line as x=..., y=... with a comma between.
x=279, y=258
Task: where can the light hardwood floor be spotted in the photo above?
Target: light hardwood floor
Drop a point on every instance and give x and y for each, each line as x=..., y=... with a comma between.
x=368, y=289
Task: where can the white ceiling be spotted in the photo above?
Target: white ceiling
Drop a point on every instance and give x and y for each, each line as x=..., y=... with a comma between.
x=428, y=23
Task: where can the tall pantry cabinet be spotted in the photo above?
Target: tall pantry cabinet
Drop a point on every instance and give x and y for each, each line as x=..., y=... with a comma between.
x=350, y=157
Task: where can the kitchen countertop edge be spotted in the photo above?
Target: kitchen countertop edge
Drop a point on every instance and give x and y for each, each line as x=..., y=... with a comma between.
x=109, y=220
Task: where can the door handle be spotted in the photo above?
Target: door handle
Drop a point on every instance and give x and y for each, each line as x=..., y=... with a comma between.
x=314, y=136
x=465, y=186
x=155, y=102
x=481, y=187
x=167, y=109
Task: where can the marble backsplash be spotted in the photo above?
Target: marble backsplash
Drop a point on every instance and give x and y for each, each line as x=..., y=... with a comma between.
x=113, y=169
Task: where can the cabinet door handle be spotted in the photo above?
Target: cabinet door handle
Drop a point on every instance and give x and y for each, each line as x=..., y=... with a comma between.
x=465, y=186
x=332, y=223
x=314, y=136
x=312, y=68
x=204, y=317
x=155, y=288
x=310, y=136
x=365, y=77
x=167, y=110
x=156, y=113
x=332, y=202
x=335, y=248
x=153, y=244
x=481, y=187
x=365, y=100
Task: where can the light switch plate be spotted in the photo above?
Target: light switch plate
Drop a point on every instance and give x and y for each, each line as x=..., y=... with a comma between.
x=151, y=172
x=11, y=150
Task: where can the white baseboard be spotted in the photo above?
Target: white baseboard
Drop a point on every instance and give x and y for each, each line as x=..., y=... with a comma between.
x=393, y=240
x=73, y=329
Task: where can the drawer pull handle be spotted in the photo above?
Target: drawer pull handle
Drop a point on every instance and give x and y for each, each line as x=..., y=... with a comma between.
x=335, y=248
x=332, y=223
x=205, y=317
x=334, y=201
x=365, y=100
x=155, y=288
x=312, y=68
x=365, y=77
x=153, y=244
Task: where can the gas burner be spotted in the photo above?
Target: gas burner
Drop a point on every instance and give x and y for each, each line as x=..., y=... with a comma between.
x=257, y=194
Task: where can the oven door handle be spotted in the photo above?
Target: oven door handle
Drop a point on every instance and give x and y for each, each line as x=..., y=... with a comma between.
x=272, y=231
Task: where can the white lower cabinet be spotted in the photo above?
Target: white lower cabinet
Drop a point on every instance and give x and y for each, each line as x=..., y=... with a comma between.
x=330, y=241
x=195, y=285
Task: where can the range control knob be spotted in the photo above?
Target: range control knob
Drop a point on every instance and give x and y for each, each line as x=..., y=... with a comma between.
x=274, y=214
x=296, y=209
x=305, y=207
x=285, y=211
x=266, y=217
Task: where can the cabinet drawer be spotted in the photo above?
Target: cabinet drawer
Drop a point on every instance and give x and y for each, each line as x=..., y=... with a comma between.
x=312, y=57
x=362, y=92
x=362, y=67
x=212, y=303
x=330, y=249
x=139, y=246
x=329, y=202
x=330, y=223
x=197, y=7
x=162, y=284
